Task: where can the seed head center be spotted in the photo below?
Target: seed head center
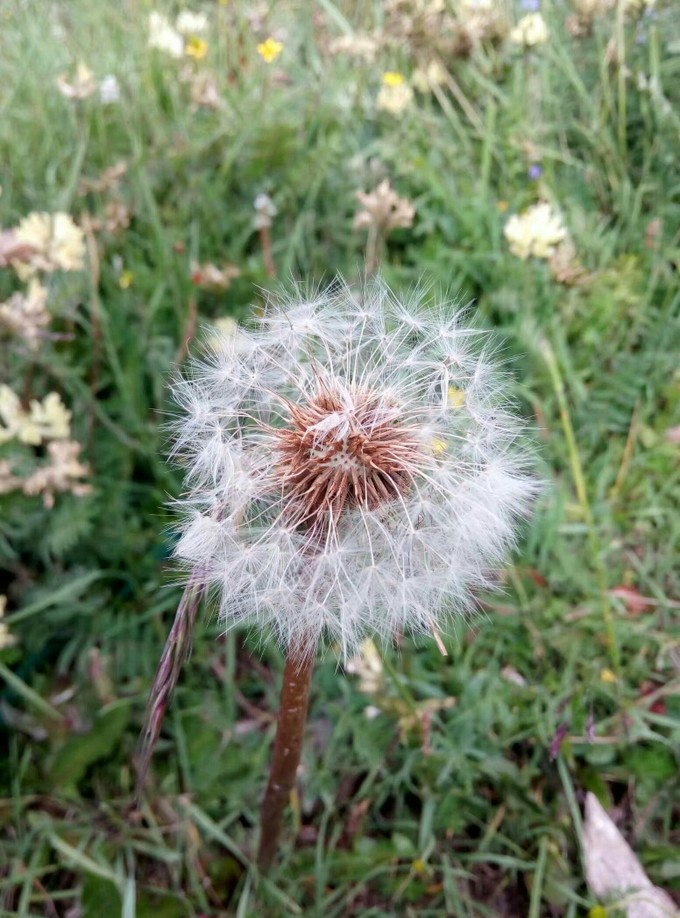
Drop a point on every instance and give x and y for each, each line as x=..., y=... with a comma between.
x=342, y=450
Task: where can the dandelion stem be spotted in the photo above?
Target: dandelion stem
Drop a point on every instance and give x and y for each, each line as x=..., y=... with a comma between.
x=266, y=243
x=290, y=730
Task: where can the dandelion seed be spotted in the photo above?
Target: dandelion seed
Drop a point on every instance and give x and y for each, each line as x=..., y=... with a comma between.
x=269, y=50
x=333, y=485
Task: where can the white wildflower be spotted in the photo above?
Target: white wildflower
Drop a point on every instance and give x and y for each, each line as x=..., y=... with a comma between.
x=46, y=420
x=63, y=473
x=537, y=231
x=359, y=44
x=383, y=209
x=265, y=211
x=56, y=243
x=109, y=90
x=80, y=87
x=25, y=314
x=635, y=7
x=211, y=277
x=367, y=665
x=189, y=23
x=426, y=78
x=395, y=95
x=530, y=30
x=164, y=37
x=333, y=484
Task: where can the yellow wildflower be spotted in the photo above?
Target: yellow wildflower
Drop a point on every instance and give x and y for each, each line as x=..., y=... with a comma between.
x=196, y=48
x=269, y=49
x=125, y=280
x=392, y=78
x=607, y=676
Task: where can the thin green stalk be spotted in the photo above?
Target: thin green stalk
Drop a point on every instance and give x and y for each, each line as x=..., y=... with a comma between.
x=621, y=80
x=582, y=494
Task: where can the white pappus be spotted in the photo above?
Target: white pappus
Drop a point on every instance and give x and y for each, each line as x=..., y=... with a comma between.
x=354, y=467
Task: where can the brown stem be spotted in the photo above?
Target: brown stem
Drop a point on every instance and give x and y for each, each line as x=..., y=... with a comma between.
x=290, y=730
x=371, y=250
x=266, y=243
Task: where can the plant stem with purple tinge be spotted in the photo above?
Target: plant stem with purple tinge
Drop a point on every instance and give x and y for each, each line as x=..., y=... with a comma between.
x=176, y=650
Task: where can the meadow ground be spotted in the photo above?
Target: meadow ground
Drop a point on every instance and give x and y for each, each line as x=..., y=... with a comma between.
x=199, y=172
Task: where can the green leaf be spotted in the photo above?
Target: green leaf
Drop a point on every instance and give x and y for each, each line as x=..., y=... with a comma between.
x=79, y=752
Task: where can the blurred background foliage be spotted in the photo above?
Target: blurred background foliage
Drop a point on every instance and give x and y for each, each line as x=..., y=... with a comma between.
x=222, y=162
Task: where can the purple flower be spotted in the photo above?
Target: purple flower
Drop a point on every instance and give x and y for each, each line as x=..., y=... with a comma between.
x=535, y=172
x=531, y=5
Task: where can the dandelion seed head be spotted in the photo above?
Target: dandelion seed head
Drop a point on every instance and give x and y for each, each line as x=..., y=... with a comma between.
x=353, y=468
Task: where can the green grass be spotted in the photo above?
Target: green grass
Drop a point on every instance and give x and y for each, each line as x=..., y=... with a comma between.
x=476, y=819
